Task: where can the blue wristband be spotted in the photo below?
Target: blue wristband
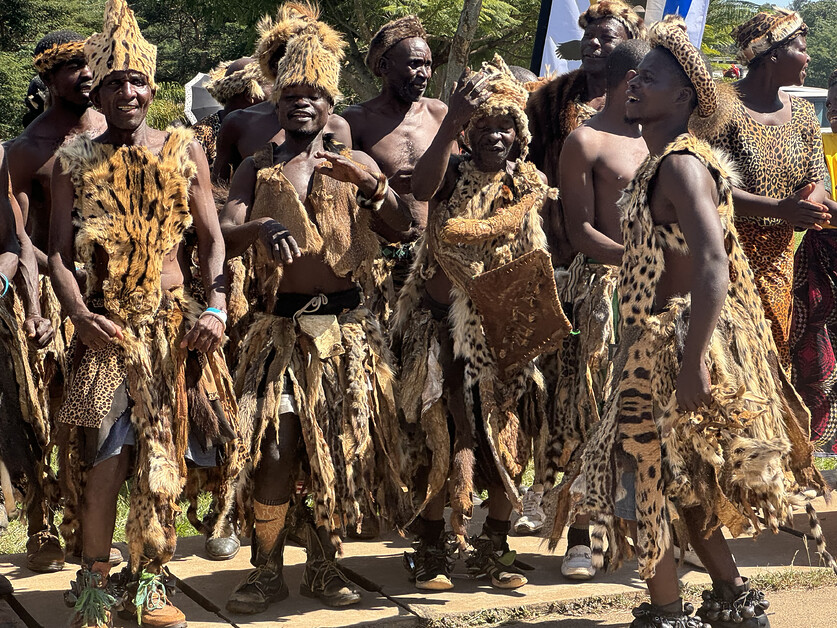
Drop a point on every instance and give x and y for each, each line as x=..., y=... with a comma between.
x=6, y=286
x=219, y=314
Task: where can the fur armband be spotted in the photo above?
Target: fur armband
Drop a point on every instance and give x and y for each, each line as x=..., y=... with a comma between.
x=376, y=201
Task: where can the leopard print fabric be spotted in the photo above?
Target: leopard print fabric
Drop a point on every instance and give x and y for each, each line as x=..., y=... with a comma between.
x=773, y=161
x=95, y=380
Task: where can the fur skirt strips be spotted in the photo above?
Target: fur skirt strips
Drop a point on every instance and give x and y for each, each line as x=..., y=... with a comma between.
x=338, y=370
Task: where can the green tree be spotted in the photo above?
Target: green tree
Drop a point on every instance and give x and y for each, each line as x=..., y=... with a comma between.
x=721, y=18
x=821, y=18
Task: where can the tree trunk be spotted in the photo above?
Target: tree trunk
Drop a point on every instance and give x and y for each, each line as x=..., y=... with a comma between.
x=460, y=47
x=359, y=78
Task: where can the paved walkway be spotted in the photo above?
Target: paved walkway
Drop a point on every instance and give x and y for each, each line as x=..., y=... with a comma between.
x=205, y=585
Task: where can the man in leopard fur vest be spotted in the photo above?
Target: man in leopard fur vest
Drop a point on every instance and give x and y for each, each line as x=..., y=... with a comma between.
x=149, y=388
x=479, y=306
x=702, y=425
x=315, y=376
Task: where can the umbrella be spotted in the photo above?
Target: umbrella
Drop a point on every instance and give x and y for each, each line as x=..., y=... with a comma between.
x=199, y=103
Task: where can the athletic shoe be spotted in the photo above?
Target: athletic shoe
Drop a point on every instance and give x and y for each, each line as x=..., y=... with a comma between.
x=533, y=517
x=578, y=563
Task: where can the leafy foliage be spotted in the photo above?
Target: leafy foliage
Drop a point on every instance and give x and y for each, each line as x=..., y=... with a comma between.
x=22, y=24
x=721, y=18
x=821, y=18
x=167, y=106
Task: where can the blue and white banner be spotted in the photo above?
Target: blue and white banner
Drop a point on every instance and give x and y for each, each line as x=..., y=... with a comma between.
x=558, y=36
x=693, y=12
x=558, y=28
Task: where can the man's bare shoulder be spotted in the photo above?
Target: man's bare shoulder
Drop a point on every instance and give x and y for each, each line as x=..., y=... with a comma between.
x=585, y=141
x=436, y=107
x=355, y=113
x=336, y=122
x=683, y=175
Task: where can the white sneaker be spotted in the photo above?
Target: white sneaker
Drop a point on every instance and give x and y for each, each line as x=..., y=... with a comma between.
x=578, y=563
x=533, y=517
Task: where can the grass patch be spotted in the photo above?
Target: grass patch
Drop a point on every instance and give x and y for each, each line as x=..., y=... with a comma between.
x=14, y=539
x=825, y=463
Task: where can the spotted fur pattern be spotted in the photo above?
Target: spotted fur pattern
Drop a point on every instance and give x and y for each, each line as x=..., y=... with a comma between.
x=513, y=411
x=135, y=205
x=748, y=453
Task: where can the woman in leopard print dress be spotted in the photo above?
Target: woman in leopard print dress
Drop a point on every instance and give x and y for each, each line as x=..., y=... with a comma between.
x=774, y=141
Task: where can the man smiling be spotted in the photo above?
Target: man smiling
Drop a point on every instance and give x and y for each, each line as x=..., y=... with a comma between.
x=150, y=390
x=483, y=220
x=315, y=377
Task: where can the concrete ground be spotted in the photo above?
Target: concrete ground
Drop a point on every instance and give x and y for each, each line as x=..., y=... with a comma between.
x=789, y=609
x=205, y=585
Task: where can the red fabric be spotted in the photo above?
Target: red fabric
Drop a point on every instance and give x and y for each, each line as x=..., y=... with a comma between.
x=814, y=334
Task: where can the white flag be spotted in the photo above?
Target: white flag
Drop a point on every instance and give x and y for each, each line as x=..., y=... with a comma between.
x=562, y=28
x=693, y=12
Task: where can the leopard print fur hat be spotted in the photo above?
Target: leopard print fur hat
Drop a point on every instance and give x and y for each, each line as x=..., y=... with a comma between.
x=670, y=33
x=224, y=86
x=508, y=97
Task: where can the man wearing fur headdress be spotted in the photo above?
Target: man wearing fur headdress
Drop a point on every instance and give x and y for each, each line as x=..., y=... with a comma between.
x=315, y=379
x=478, y=307
x=245, y=131
x=149, y=389
x=25, y=432
x=396, y=127
x=235, y=85
x=598, y=159
x=59, y=61
x=701, y=420
x=566, y=101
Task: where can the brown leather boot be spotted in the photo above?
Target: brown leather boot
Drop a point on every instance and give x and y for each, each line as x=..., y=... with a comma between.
x=44, y=553
x=322, y=579
x=91, y=599
x=151, y=603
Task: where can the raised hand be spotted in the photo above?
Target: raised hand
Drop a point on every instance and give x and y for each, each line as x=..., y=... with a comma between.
x=468, y=95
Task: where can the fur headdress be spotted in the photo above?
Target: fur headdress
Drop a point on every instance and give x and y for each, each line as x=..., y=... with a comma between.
x=292, y=20
x=767, y=31
x=224, y=87
x=670, y=34
x=390, y=34
x=508, y=97
x=312, y=57
x=120, y=46
x=618, y=11
x=58, y=54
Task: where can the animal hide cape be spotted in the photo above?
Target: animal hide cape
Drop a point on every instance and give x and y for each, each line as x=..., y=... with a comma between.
x=25, y=433
x=135, y=206
x=336, y=229
x=554, y=111
x=512, y=412
x=579, y=376
x=343, y=389
x=747, y=452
